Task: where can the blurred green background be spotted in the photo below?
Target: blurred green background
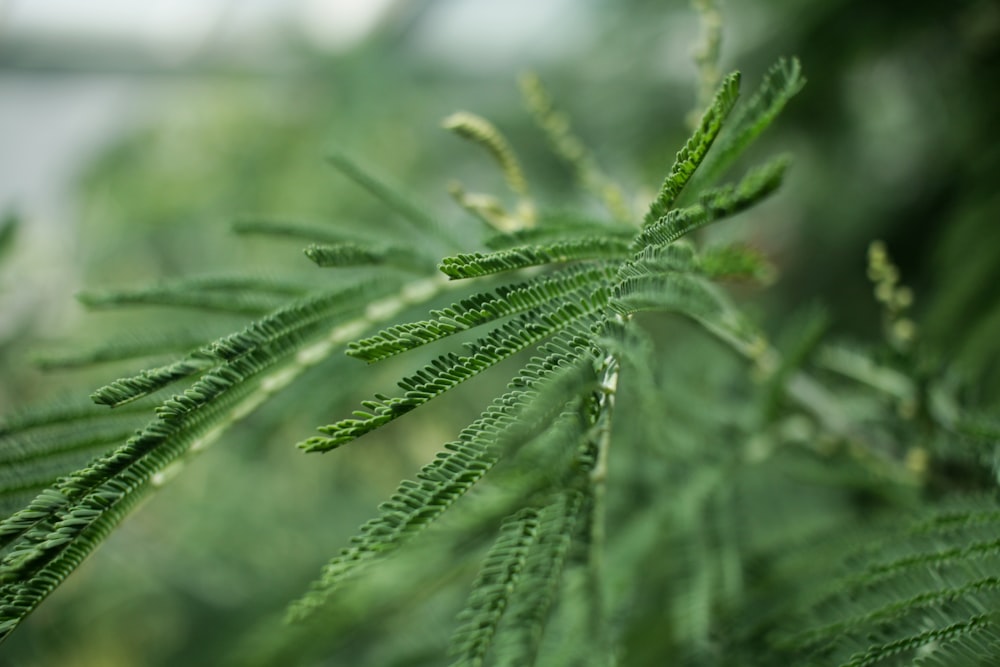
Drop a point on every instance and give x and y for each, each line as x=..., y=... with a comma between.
x=133, y=139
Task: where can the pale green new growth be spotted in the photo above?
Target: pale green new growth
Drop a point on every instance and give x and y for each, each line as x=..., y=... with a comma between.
x=568, y=146
x=481, y=131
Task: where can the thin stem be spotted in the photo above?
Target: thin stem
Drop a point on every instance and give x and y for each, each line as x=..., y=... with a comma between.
x=610, y=370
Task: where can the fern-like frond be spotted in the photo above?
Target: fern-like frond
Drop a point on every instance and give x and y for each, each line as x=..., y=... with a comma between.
x=781, y=82
x=489, y=210
x=715, y=204
x=293, y=321
x=477, y=264
x=482, y=132
x=541, y=578
x=479, y=309
x=694, y=151
x=23, y=480
x=553, y=228
x=449, y=370
x=33, y=454
x=52, y=535
x=497, y=583
x=350, y=253
x=925, y=595
x=539, y=390
x=641, y=289
x=486, y=207
x=344, y=254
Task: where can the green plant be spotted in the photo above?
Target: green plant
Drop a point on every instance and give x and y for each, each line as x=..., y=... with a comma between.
x=629, y=496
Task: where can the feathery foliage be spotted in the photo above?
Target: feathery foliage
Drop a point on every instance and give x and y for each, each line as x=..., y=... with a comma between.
x=613, y=447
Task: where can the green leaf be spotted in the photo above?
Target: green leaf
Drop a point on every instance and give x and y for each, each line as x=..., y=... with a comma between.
x=481, y=131
x=715, y=204
x=555, y=228
x=497, y=583
x=569, y=148
x=477, y=264
x=293, y=229
x=286, y=326
x=927, y=590
x=783, y=80
x=541, y=578
x=539, y=390
x=694, y=151
x=349, y=253
x=449, y=370
x=478, y=309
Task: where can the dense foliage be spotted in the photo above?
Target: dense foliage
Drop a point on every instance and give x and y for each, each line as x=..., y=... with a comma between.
x=659, y=477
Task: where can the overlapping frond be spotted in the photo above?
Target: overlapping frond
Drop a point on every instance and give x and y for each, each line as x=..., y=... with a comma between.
x=478, y=309
x=55, y=531
x=781, y=82
x=690, y=296
x=694, y=151
x=498, y=581
x=555, y=228
x=449, y=370
x=284, y=327
x=474, y=265
x=929, y=594
x=52, y=535
x=715, y=204
x=544, y=442
x=539, y=390
x=38, y=448
x=541, y=578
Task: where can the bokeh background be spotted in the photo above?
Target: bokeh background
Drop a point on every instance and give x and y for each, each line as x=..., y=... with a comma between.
x=134, y=134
